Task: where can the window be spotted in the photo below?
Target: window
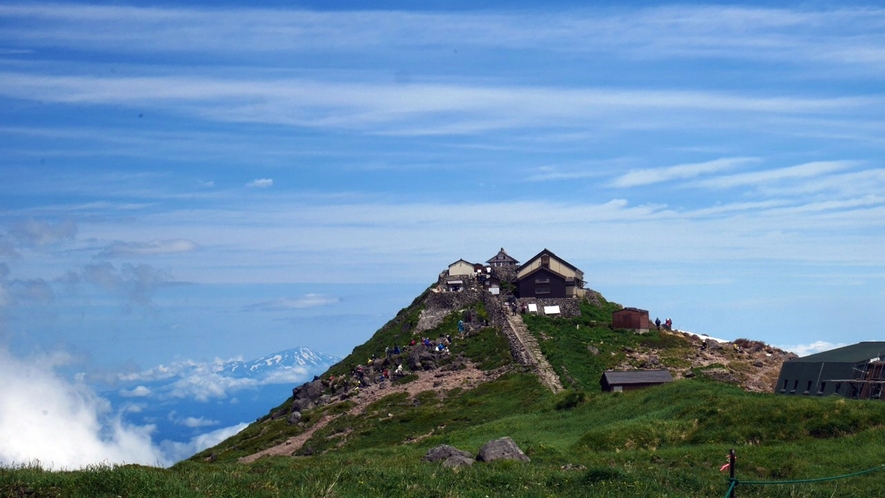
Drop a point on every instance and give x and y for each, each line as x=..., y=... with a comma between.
x=545, y=261
x=545, y=280
x=545, y=289
x=823, y=386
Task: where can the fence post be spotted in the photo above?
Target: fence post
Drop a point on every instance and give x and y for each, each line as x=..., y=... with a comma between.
x=731, y=470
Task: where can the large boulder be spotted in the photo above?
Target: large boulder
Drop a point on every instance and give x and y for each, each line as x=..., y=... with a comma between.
x=307, y=395
x=309, y=390
x=422, y=358
x=501, y=449
x=443, y=452
x=299, y=405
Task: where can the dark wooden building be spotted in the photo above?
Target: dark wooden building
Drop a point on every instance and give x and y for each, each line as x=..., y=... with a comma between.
x=631, y=319
x=502, y=259
x=613, y=381
x=548, y=276
x=856, y=371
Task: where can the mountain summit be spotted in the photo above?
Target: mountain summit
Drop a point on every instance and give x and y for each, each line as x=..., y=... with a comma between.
x=459, y=342
x=299, y=359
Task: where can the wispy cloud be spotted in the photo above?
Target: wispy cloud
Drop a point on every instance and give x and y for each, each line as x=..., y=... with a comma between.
x=441, y=108
x=177, y=451
x=38, y=233
x=136, y=283
x=195, y=380
x=153, y=248
x=136, y=392
x=192, y=422
x=305, y=301
x=642, y=177
x=757, y=178
x=696, y=31
x=260, y=183
x=812, y=348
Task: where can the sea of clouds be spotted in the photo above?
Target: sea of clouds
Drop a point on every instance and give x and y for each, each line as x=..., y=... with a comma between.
x=57, y=423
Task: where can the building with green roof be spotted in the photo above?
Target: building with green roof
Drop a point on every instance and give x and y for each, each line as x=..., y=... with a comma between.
x=856, y=371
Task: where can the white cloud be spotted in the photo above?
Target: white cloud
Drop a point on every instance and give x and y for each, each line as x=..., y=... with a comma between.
x=292, y=375
x=260, y=183
x=136, y=392
x=812, y=348
x=680, y=172
x=195, y=422
x=756, y=178
x=841, y=35
x=305, y=301
x=152, y=248
x=419, y=109
x=60, y=424
x=177, y=451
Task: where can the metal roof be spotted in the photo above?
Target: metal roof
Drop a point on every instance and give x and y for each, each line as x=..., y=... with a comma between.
x=630, y=309
x=638, y=377
x=856, y=353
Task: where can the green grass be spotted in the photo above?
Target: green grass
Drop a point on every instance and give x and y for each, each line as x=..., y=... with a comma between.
x=664, y=441
x=567, y=343
x=669, y=440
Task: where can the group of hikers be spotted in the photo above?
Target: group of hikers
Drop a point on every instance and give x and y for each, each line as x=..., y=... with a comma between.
x=377, y=370
x=668, y=325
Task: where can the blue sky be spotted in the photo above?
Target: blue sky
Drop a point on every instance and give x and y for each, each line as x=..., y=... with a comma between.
x=198, y=181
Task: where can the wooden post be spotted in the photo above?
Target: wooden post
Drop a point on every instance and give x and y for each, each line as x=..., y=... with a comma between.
x=731, y=470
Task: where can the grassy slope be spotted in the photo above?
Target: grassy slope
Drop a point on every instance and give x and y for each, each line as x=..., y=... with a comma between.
x=664, y=441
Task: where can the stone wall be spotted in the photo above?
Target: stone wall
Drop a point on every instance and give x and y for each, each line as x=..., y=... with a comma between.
x=568, y=306
x=438, y=305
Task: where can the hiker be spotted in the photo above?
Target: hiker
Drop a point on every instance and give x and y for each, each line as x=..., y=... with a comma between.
x=396, y=349
x=461, y=326
x=669, y=324
x=658, y=323
x=399, y=370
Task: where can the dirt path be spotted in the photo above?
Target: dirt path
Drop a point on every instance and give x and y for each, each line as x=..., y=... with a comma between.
x=528, y=352
x=439, y=380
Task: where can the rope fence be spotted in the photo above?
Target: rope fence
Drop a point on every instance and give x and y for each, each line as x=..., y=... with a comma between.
x=733, y=482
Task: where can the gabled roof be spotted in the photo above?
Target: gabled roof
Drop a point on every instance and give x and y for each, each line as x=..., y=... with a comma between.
x=635, y=310
x=460, y=260
x=502, y=256
x=550, y=253
x=548, y=270
x=637, y=377
x=856, y=353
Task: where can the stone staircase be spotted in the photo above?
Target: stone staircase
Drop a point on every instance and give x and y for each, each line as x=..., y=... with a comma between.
x=526, y=351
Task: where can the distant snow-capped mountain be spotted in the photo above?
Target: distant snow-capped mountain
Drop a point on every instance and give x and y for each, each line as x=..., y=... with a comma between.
x=296, y=358
x=184, y=401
